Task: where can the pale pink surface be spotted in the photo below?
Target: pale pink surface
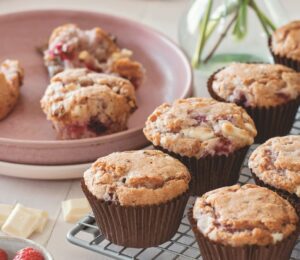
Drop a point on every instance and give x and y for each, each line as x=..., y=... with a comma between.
x=27, y=137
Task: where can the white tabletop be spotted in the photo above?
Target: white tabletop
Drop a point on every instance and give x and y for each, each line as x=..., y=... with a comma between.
x=162, y=15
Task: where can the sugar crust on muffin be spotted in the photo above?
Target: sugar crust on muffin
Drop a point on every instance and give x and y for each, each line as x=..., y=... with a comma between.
x=81, y=103
x=286, y=41
x=277, y=163
x=257, y=85
x=198, y=127
x=145, y=177
x=244, y=215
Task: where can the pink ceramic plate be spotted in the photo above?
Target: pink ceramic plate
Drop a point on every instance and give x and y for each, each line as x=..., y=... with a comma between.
x=27, y=137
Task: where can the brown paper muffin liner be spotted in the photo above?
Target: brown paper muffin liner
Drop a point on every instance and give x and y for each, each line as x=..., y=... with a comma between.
x=137, y=226
x=292, y=198
x=269, y=121
x=289, y=62
x=211, y=250
x=212, y=172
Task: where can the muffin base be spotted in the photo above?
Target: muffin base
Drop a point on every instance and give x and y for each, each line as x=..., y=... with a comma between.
x=269, y=121
x=289, y=62
x=212, y=172
x=81, y=131
x=292, y=198
x=137, y=226
x=211, y=250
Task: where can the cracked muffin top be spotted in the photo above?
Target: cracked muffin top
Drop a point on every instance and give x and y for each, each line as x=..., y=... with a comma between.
x=256, y=85
x=81, y=103
x=198, y=127
x=244, y=215
x=286, y=41
x=70, y=47
x=71, y=93
x=144, y=177
x=277, y=163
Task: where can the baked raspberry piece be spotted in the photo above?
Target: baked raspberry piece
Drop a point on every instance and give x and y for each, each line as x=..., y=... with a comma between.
x=82, y=104
x=95, y=49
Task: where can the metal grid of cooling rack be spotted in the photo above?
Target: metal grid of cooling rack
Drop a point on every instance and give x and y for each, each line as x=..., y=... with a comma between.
x=183, y=246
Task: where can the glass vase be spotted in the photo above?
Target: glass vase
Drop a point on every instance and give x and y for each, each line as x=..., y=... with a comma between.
x=223, y=47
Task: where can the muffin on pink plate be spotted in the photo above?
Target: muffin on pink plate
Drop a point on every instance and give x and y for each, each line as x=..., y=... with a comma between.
x=211, y=138
x=94, y=49
x=244, y=222
x=138, y=197
x=81, y=103
x=11, y=79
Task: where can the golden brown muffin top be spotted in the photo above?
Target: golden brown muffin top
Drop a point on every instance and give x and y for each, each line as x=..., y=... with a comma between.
x=76, y=94
x=145, y=177
x=244, y=215
x=257, y=85
x=277, y=163
x=286, y=40
x=198, y=127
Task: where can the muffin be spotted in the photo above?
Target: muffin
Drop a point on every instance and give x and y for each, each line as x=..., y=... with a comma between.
x=95, y=49
x=276, y=165
x=81, y=103
x=244, y=222
x=269, y=93
x=211, y=138
x=11, y=79
x=138, y=197
x=284, y=45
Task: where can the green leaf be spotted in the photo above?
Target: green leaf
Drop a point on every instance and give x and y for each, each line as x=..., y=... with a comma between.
x=202, y=34
x=240, y=27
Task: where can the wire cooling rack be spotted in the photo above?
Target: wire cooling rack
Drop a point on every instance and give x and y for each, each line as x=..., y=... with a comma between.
x=183, y=246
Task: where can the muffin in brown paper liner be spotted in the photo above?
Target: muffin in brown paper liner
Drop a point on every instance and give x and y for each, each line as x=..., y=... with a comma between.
x=211, y=250
x=269, y=121
x=137, y=226
x=211, y=172
x=289, y=62
x=292, y=198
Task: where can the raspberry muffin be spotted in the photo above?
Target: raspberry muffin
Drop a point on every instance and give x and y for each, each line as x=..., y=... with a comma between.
x=244, y=222
x=284, y=45
x=81, y=103
x=138, y=197
x=269, y=93
x=11, y=79
x=211, y=138
x=95, y=49
x=276, y=165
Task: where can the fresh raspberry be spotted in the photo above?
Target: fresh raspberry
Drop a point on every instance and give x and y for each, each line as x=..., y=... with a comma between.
x=28, y=253
x=3, y=255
